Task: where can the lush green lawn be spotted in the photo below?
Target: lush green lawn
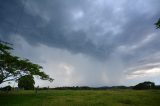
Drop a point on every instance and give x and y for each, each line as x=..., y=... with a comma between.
x=81, y=98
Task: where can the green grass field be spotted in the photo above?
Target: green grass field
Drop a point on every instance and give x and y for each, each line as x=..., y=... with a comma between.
x=81, y=98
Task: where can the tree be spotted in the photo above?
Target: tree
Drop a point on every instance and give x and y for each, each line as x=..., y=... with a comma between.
x=158, y=23
x=13, y=67
x=144, y=85
x=26, y=82
x=6, y=88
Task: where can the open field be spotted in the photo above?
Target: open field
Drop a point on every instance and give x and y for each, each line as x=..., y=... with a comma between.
x=81, y=98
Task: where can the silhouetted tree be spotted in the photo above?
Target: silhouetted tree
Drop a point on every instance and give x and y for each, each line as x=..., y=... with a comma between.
x=144, y=85
x=13, y=68
x=26, y=82
x=6, y=88
x=158, y=23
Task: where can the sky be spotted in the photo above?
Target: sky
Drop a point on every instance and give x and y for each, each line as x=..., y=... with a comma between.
x=86, y=42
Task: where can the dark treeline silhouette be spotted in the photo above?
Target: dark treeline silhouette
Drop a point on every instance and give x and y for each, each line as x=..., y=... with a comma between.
x=99, y=88
x=87, y=88
x=144, y=85
x=6, y=88
x=141, y=86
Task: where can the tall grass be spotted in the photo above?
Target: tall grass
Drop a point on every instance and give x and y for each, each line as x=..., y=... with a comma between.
x=81, y=98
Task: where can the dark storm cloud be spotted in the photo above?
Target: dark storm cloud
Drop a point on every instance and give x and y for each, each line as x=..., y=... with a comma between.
x=95, y=28
x=15, y=19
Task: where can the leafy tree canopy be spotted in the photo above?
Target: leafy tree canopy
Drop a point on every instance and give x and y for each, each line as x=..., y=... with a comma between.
x=144, y=85
x=26, y=82
x=13, y=67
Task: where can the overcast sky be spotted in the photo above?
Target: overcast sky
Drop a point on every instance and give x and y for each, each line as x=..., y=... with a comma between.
x=86, y=42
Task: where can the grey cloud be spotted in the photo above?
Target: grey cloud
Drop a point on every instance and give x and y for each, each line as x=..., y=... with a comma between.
x=34, y=29
x=52, y=23
x=144, y=64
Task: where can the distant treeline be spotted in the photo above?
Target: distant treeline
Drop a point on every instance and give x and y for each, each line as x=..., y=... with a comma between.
x=8, y=88
x=94, y=88
x=85, y=88
x=140, y=86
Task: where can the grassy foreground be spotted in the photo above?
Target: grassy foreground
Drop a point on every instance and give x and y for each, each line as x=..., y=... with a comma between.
x=81, y=98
